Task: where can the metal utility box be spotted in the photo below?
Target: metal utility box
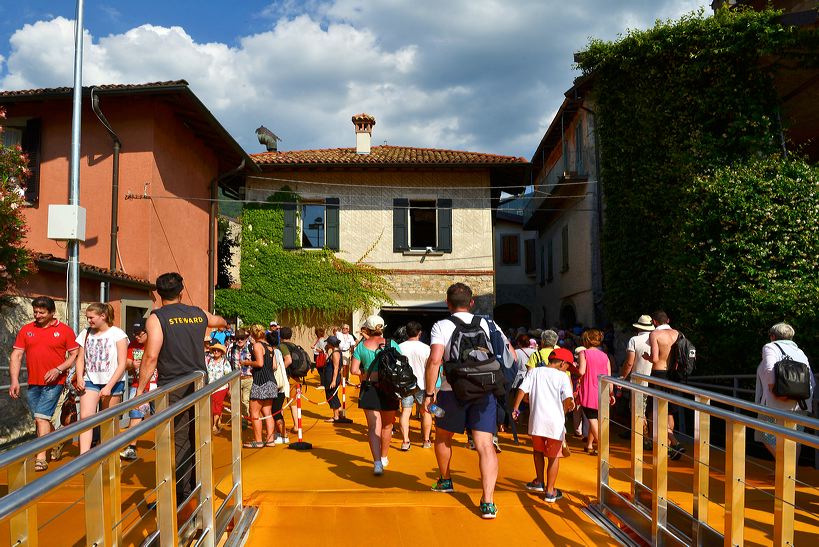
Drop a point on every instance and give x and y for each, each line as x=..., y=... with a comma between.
x=66, y=222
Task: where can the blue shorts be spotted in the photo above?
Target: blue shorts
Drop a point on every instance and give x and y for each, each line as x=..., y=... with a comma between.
x=118, y=389
x=42, y=400
x=408, y=401
x=479, y=415
x=134, y=413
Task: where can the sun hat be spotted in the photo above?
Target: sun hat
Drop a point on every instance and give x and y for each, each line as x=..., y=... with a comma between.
x=644, y=323
x=374, y=322
x=562, y=354
x=220, y=347
x=333, y=341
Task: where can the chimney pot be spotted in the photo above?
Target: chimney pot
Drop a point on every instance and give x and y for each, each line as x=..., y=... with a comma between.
x=363, y=132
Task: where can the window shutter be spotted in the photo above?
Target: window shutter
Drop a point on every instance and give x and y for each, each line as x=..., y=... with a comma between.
x=445, y=225
x=331, y=223
x=289, y=236
x=31, y=146
x=400, y=234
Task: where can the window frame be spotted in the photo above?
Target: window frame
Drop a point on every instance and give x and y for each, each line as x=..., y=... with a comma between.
x=300, y=222
x=510, y=253
x=434, y=203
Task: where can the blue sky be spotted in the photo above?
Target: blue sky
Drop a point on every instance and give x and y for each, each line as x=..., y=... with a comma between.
x=480, y=75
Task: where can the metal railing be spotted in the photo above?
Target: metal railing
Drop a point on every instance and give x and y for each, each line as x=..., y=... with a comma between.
x=662, y=522
x=101, y=468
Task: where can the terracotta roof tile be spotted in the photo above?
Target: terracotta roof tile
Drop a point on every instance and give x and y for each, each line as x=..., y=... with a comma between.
x=106, y=87
x=89, y=268
x=383, y=155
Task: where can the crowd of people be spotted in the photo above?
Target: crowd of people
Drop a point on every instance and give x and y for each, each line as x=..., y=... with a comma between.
x=555, y=379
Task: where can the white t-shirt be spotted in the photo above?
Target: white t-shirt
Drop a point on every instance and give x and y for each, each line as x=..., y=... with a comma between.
x=345, y=341
x=101, y=353
x=547, y=388
x=638, y=344
x=417, y=353
x=441, y=333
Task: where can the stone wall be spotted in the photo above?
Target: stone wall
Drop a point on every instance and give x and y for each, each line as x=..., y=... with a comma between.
x=424, y=287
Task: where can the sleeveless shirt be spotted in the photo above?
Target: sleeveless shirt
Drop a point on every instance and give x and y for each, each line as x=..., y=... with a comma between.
x=183, y=329
x=265, y=374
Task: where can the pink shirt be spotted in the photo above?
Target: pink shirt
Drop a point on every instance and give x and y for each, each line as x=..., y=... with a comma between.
x=597, y=363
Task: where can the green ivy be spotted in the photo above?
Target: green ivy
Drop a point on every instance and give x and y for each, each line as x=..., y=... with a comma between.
x=309, y=286
x=673, y=103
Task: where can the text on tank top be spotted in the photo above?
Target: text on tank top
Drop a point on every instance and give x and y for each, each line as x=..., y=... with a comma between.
x=183, y=329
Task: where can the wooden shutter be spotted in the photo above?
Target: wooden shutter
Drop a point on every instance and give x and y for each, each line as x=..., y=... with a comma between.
x=31, y=146
x=445, y=225
x=331, y=223
x=400, y=234
x=289, y=236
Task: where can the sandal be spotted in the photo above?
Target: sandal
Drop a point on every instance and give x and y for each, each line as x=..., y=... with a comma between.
x=254, y=444
x=40, y=465
x=405, y=447
x=269, y=442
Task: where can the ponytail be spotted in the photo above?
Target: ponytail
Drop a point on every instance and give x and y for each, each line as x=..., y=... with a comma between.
x=102, y=308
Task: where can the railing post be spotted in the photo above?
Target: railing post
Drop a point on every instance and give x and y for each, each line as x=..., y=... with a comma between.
x=702, y=460
x=165, y=481
x=23, y=525
x=734, y=483
x=659, y=487
x=236, y=441
x=204, y=469
x=785, y=489
x=97, y=530
x=638, y=431
x=112, y=483
x=603, y=445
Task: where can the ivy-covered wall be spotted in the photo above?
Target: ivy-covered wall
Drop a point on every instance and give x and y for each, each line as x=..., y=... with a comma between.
x=677, y=104
x=311, y=286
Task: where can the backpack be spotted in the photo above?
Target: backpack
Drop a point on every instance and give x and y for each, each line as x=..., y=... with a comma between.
x=395, y=375
x=682, y=359
x=791, y=379
x=502, y=353
x=301, y=364
x=471, y=367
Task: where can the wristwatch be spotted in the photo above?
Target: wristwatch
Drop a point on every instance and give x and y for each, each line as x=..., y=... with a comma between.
x=429, y=395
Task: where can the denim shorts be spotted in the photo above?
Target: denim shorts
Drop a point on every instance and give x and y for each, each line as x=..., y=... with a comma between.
x=42, y=400
x=479, y=415
x=134, y=413
x=118, y=389
x=408, y=401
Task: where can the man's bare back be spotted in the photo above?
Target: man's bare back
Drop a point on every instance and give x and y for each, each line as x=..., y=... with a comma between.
x=660, y=341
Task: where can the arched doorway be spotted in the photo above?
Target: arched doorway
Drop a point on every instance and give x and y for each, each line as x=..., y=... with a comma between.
x=512, y=316
x=568, y=317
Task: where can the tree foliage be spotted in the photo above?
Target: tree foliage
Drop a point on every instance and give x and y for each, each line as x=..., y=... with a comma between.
x=15, y=260
x=310, y=285
x=683, y=99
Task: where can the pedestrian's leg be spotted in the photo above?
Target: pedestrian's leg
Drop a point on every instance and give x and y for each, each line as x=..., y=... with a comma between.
x=592, y=434
x=374, y=432
x=672, y=439
x=537, y=456
x=551, y=474
x=443, y=451
x=387, y=420
x=267, y=414
x=88, y=407
x=44, y=427
x=246, y=384
x=488, y=463
x=255, y=419
x=403, y=421
x=426, y=426
x=577, y=421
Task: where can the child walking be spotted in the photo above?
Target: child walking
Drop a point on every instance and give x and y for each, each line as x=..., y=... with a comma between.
x=550, y=398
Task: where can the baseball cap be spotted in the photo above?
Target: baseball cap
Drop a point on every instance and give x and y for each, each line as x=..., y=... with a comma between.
x=138, y=326
x=333, y=341
x=374, y=322
x=562, y=354
x=274, y=324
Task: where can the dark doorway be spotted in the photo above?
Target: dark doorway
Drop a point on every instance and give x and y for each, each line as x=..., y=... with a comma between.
x=512, y=316
x=568, y=317
x=395, y=318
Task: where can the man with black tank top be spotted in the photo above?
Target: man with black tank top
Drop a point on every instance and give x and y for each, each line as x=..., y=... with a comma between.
x=174, y=349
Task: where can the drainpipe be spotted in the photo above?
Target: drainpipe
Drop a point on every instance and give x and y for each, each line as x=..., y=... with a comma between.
x=105, y=287
x=214, y=213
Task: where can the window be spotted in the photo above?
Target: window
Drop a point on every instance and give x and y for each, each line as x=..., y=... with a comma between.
x=550, y=261
x=510, y=245
x=422, y=224
x=312, y=225
x=26, y=134
x=529, y=256
x=565, y=249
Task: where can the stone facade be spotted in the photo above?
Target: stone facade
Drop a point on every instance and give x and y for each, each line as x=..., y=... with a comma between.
x=416, y=288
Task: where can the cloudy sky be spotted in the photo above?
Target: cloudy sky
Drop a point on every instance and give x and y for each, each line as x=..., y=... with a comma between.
x=480, y=75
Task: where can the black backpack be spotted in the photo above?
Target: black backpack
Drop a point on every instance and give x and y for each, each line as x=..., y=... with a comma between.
x=395, y=375
x=682, y=359
x=471, y=367
x=301, y=363
x=791, y=379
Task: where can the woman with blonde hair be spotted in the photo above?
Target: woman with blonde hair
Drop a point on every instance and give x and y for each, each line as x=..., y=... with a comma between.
x=100, y=364
x=379, y=407
x=264, y=388
x=592, y=362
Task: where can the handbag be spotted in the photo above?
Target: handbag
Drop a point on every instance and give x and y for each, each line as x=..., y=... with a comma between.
x=279, y=374
x=68, y=412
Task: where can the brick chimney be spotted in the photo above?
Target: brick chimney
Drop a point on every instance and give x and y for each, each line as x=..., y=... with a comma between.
x=363, y=132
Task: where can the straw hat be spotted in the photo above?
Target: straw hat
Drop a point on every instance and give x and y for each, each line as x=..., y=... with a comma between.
x=644, y=323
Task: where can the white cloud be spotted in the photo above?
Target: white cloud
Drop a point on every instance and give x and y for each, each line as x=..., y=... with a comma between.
x=483, y=75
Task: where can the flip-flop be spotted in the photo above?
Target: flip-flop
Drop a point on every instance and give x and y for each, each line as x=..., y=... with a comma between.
x=40, y=465
x=254, y=444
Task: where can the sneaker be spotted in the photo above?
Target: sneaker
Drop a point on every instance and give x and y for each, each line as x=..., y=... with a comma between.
x=278, y=440
x=553, y=497
x=378, y=468
x=535, y=486
x=287, y=440
x=385, y=462
x=497, y=446
x=128, y=454
x=488, y=510
x=443, y=485
x=427, y=444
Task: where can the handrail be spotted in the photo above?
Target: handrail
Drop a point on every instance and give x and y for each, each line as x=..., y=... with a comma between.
x=63, y=434
x=30, y=493
x=800, y=419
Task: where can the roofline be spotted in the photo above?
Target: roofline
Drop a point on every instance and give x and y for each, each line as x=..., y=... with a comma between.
x=60, y=266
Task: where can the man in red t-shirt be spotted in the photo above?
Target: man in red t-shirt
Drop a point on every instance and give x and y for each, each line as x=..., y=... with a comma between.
x=50, y=348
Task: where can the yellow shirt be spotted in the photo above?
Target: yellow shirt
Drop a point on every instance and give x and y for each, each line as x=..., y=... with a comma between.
x=544, y=354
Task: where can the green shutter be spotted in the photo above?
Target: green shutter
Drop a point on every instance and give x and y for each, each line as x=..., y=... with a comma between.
x=331, y=223
x=400, y=234
x=289, y=236
x=445, y=225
